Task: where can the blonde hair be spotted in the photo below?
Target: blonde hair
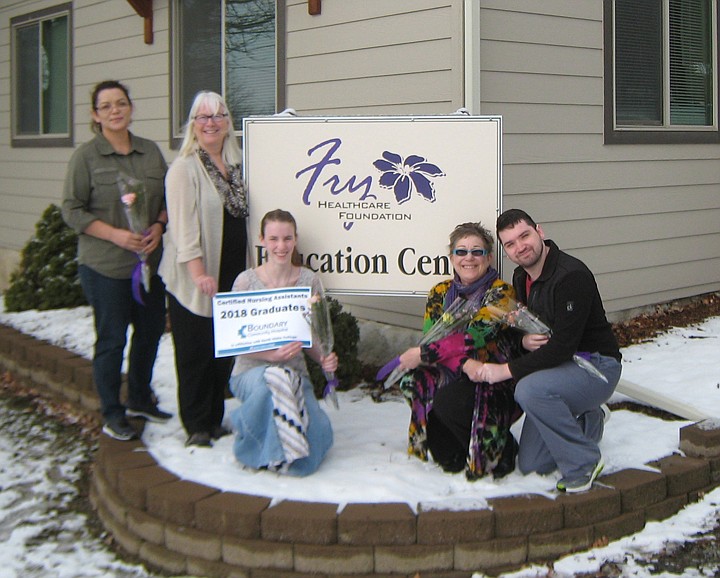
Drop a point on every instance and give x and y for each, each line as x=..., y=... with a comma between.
x=231, y=150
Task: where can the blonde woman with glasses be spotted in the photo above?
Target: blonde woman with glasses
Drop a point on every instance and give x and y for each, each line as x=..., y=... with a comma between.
x=206, y=245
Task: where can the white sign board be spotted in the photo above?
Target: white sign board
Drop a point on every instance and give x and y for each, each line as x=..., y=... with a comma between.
x=247, y=321
x=375, y=198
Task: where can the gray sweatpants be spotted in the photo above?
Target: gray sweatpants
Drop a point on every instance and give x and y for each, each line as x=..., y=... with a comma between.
x=563, y=419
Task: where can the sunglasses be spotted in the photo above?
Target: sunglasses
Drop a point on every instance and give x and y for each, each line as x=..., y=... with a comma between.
x=473, y=252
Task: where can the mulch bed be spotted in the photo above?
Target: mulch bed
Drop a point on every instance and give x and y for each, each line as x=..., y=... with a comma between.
x=647, y=326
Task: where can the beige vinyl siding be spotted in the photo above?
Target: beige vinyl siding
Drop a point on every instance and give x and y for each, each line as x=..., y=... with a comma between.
x=108, y=43
x=374, y=57
x=28, y=184
x=607, y=175
x=645, y=218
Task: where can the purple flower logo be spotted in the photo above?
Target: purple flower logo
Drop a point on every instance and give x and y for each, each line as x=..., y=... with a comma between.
x=404, y=176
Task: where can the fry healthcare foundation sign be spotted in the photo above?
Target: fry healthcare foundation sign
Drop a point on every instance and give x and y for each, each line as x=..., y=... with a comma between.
x=375, y=198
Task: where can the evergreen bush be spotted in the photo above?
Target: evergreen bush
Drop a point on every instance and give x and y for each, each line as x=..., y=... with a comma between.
x=47, y=277
x=347, y=336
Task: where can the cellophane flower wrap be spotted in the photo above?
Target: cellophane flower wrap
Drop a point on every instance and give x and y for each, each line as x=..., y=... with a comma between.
x=504, y=309
x=455, y=318
x=134, y=202
x=321, y=324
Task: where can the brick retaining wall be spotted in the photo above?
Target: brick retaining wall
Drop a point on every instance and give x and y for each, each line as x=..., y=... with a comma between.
x=188, y=528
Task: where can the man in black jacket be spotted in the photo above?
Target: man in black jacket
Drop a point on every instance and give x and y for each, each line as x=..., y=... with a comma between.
x=562, y=401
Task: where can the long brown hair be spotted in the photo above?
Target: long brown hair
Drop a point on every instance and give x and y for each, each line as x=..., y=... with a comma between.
x=281, y=216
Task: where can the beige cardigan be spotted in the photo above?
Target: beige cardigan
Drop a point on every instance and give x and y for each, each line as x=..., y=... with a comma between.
x=195, y=229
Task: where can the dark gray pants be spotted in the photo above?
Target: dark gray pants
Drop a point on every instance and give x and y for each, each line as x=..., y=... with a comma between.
x=563, y=419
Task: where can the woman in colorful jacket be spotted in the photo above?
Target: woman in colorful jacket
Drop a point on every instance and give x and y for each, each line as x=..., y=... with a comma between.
x=461, y=424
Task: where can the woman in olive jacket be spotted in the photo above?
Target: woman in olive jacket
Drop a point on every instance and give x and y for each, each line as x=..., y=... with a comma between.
x=108, y=254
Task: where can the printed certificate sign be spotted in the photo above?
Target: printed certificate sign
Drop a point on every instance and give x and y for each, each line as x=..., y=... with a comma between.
x=249, y=321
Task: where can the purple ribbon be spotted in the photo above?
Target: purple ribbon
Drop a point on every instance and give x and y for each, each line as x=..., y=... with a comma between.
x=387, y=369
x=331, y=386
x=137, y=283
x=329, y=391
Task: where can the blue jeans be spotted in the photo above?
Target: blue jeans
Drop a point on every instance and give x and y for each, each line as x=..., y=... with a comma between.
x=257, y=443
x=115, y=310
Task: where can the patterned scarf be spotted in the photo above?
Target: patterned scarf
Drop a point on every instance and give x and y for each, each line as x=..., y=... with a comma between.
x=231, y=190
x=291, y=419
x=476, y=288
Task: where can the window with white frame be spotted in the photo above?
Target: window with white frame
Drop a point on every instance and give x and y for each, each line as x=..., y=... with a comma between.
x=661, y=66
x=41, y=65
x=229, y=47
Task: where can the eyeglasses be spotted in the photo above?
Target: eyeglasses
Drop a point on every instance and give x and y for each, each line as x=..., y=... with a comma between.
x=473, y=252
x=106, y=107
x=204, y=118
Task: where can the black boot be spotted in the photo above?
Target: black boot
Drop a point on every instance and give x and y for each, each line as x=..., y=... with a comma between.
x=446, y=451
x=507, y=459
x=453, y=464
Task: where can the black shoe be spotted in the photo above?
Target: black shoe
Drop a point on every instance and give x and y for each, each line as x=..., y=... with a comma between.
x=199, y=439
x=150, y=413
x=219, y=431
x=118, y=428
x=453, y=464
x=507, y=460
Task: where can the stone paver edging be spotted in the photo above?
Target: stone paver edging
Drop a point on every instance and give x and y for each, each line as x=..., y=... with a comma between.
x=188, y=528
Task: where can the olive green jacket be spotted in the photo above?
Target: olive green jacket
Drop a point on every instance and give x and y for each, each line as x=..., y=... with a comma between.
x=91, y=192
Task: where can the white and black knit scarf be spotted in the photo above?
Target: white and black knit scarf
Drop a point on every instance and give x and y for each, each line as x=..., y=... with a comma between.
x=289, y=414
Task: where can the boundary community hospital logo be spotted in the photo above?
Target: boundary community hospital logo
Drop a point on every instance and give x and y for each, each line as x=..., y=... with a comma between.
x=403, y=176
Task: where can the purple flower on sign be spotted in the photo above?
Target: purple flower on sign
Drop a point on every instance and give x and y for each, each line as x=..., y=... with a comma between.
x=405, y=175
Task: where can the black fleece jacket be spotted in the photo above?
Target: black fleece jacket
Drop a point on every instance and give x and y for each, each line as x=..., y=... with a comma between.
x=564, y=296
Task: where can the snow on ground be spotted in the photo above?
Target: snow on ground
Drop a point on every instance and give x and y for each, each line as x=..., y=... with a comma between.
x=42, y=532
x=369, y=462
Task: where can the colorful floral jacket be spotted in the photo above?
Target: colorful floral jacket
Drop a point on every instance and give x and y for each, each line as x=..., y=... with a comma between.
x=481, y=340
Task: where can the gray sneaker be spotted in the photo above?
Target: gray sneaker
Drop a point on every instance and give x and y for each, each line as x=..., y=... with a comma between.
x=118, y=428
x=582, y=483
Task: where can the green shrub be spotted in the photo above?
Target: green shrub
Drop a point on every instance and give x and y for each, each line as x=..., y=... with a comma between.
x=47, y=276
x=347, y=336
